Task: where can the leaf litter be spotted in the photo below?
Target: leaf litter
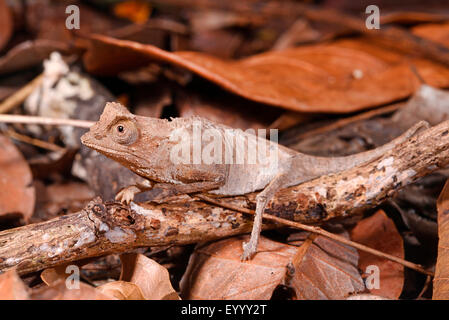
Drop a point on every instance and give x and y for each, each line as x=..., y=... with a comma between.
x=311, y=79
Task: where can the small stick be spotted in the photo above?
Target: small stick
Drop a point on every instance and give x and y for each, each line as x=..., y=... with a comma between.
x=33, y=141
x=12, y=118
x=19, y=96
x=322, y=232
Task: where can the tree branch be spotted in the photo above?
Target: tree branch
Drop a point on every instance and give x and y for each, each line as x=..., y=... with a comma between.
x=104, y=228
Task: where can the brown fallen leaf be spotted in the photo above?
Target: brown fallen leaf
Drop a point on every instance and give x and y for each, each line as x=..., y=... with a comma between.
x=122, y=290
x=58, y=290
x=338, y=77
x=412, y=17
x=6, y=24
x=322, y=270
x=59, y=198
x=12, y=287
x=428, y=103
x=16, y=182
x=152, y=278
x=222, y=107
x=29, y=54
x=441, y=280
x=379, y=232
x=136, y=11
x=438, y=32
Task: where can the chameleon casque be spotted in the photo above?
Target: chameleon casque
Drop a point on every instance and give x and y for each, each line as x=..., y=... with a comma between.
x=146, y=145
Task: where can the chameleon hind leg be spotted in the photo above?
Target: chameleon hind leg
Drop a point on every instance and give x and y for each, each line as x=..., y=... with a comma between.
x=262, y=199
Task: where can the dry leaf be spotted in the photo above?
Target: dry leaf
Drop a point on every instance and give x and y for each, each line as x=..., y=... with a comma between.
x=222, y=107
x=338, y=77
x=12, y=287
x=441, y=280
x=51, y=276
x=59, y=291
x=428, y=103
x=6, y=24
x=134, y=10
x=322, y=270
x=152, y=278
x=122, y=290
x=380, y=233
x=29, y=54
x=17, y=195
x=438, y=32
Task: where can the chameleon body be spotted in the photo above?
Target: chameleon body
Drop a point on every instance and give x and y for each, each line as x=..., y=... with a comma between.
x=152, y=147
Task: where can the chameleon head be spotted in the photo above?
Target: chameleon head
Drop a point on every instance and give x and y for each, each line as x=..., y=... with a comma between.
x=114, y=133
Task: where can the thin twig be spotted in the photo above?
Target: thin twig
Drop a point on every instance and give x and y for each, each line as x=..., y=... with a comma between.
x=12, y=118
x=33, y=141
x=324, y=233
x=19, y=96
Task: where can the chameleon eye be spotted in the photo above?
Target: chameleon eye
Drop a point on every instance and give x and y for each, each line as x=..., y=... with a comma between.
x=125, y=132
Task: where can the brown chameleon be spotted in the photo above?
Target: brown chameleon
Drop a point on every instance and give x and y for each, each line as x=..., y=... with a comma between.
x=219, y=160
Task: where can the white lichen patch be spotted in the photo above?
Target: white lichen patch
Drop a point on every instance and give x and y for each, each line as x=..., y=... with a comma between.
x=117, y=235
x=86, y=237
x=54, y=251
x=12, y=261
x=322, y=191
x=103, y=227
x=155, y=214
x=44, y=247
x=382, y=180
x=385, y=163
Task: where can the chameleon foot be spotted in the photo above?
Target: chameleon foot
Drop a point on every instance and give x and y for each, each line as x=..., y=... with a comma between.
x=249, y=250
x=127, y=194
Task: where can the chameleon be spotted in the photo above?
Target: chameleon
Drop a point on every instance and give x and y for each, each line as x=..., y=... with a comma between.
x=150, y=147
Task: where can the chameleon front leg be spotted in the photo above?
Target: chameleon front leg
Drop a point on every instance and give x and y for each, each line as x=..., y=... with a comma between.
x=126, y=195
x=262, y=199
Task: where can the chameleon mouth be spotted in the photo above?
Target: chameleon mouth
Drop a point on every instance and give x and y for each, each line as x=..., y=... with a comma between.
x=86, y=140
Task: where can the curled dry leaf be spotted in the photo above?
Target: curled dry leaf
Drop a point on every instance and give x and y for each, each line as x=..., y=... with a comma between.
x=122, y=290
x=380, y=233
x=319, y=270
x=222, y=107
x=6, y=24
x=441, y=280
x=51, y=276
x=16, y=182
x=428, y=103
x=438, y=32
x=29, y=54
x=12, y=287
x=341, y=77
x=152, y=278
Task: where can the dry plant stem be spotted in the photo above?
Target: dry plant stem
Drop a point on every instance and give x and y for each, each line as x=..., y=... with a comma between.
x=19, y=96
x=35, y=142
x=322, y=232
x=101, y=229
x=12, y=118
